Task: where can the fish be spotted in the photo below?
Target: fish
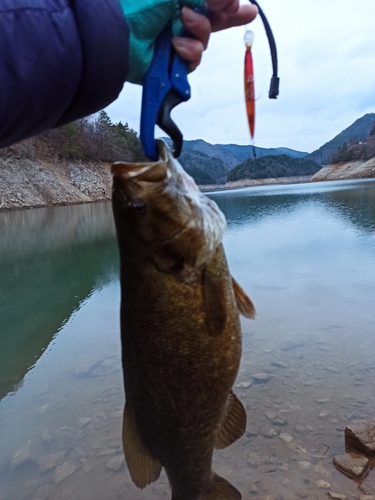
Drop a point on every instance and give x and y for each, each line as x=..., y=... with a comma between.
x=180, y=329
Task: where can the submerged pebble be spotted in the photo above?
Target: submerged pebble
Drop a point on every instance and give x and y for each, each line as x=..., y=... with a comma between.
x=116, y=463
x=243, y=385
x=268, y=432
x=304, y=465
x=262, y=378
x=287, y=438
x=321, y=483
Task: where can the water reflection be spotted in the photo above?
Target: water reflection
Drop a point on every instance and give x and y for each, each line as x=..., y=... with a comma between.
x=51, y=260
x=306, y=256
x=353, y=200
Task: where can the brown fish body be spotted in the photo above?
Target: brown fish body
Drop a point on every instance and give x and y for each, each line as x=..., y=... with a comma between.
x=181, y=343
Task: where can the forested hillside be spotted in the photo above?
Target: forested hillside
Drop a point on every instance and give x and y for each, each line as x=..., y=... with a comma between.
x=358, y=131
x=273, y=166
x=355, y=150
x=95, y=138
x=204, y=169
x=67, y=165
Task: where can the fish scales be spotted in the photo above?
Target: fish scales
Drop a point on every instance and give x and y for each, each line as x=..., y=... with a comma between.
x=180, y=331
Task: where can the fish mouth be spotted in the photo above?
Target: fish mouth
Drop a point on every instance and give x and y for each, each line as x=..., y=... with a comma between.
x=155, y=172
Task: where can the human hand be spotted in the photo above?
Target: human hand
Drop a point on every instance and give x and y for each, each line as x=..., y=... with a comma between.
x=223, y=14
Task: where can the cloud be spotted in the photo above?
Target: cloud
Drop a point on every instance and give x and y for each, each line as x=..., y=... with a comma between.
x=326, y=59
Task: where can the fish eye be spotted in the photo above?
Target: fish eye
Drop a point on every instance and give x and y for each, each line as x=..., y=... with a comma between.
x=138, y=207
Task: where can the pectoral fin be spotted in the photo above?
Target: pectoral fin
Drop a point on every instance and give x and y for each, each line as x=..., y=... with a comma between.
x=244, y=304
x=143, y=467
x=232, y=424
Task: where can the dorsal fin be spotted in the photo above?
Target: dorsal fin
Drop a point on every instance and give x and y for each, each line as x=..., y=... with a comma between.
x=143, y=467
x=244, y=304
x=232, y=424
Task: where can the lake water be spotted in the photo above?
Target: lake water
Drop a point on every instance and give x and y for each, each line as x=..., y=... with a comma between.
x=306, y=256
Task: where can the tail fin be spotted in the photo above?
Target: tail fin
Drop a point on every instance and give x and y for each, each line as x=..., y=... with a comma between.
x=220, y=489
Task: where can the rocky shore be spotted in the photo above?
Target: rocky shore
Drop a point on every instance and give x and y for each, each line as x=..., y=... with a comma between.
x=349, y=170
x=30, y=182
x=256, y=182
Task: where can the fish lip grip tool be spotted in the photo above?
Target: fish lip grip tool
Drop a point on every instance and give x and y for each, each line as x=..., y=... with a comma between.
x=164, y=87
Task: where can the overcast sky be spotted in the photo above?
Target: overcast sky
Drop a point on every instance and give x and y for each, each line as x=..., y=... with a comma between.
x=326, y=54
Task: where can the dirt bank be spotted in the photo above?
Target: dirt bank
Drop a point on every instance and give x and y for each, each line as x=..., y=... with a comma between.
x=349, y=170
x=27, y=182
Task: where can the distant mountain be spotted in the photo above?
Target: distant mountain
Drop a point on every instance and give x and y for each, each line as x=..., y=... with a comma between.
x=211, y=163
x=233, y=154
x=358, y=131
x=203, y=168
x=273, y=166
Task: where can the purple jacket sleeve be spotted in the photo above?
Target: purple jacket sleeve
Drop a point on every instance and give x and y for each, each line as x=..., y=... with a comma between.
x=60, y=60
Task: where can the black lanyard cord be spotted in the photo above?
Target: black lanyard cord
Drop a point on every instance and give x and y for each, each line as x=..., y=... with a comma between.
x=275, y=80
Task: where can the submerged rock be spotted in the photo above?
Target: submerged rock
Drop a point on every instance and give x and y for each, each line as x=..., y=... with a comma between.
x=261, y=378
x=243, y=385
x=63, y=471
x=361, y=437
x=268, y=432
x=336, y=495
x=352, y=464
x=322, y=484
x=22, y=455
x=287, y=438
x=292, y=344
x=116, y=463
x=49, y=462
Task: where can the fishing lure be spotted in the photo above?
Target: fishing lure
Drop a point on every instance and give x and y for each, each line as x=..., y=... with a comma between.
x=249, y=82
x=249, y=72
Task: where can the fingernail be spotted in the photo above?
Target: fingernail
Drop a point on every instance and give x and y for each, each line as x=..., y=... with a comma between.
x=180, y=43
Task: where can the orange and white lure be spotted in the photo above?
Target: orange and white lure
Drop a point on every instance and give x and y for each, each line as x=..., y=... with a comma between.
x=249, y=82
x=249, y=72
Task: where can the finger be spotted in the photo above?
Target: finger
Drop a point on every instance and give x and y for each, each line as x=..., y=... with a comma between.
x=197, y=24
x=226, y=6
x=189, y=49
x=244, y=15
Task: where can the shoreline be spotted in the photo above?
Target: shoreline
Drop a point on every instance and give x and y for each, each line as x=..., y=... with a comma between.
x=53, y=205
x=229, y=186
x=243, y=183
x=204, y=189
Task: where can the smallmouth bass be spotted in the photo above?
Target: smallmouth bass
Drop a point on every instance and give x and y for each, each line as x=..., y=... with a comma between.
x=180, y=329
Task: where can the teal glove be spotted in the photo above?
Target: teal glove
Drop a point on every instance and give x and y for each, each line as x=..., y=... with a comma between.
x=146, y=20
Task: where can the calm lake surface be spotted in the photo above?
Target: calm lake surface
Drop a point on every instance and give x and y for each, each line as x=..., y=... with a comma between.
x=306, y=256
